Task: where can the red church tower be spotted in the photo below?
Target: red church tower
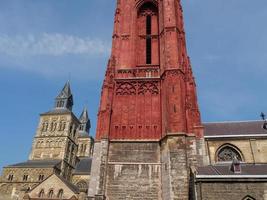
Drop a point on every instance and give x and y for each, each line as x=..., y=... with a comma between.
x=149, y=130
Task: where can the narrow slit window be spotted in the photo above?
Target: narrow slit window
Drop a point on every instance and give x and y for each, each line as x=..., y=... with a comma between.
x=148, y=39
x=148, y=50
x=148, y=25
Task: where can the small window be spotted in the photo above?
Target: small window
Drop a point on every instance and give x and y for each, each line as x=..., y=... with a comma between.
x=10, y=177
x=41, y=193
x=41, y=177
x=25, y=177
x=51, y=194
x=60, y=194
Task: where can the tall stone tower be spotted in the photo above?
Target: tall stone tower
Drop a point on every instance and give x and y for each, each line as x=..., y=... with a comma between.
x=149, y=132
x=56, y=136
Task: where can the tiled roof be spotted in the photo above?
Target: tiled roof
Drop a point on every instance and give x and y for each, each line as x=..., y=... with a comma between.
x=234, y=128
x=36, y=164
x=84, y=166
x=225, y=169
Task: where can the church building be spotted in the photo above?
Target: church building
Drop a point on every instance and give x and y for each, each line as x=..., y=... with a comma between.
x=150, y=142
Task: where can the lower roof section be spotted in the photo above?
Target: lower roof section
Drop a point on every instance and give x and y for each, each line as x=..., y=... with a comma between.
x=224, y=171
x=36, y=164
x=242, y=128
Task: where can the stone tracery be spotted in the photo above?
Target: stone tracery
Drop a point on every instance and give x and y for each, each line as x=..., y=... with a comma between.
x=228, y=153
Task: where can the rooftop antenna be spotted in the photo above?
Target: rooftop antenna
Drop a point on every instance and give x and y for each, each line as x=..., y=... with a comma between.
x=263, y=116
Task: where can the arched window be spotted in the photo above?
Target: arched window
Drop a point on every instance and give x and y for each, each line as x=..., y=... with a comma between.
x=148, y=34
x=248, y=198
x=60, y=194
x=25, y=177
x=10, y=177
x=41, y=177
x=227, y=153
x=41, y=193
x=51, y=194
x=82, y=185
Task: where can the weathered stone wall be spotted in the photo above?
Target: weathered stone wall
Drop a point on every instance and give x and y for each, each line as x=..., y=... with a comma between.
x=231, y=190
x=176, y=151
x=15, y=187
x=98, y=170
x=134, y=171
x=52, y=183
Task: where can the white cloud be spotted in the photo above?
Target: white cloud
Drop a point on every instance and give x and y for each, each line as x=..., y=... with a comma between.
x=51, y=44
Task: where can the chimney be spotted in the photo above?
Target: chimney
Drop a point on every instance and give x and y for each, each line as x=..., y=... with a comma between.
x=236, y=166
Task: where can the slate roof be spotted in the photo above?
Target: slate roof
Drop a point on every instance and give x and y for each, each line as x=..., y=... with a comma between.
x=84, y=116
x=58, y=111
x=37, y=164
x=224, y=169
x=84, y=166
x=73, y=187
x=65, y=92
x=234, y=128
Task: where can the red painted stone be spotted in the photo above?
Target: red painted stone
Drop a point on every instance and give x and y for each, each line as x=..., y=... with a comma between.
x=143, y=100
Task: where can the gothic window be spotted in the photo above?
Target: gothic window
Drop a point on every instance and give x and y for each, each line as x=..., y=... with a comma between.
x=147, y=23
x=51, y=194
x=60, y=194
x=41, y=193
x=248, y=198
x=10, y=177
x=227, y=153
x=148, y=39
x=25, y=177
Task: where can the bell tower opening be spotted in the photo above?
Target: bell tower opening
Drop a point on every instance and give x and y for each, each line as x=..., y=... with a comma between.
x=147, y=35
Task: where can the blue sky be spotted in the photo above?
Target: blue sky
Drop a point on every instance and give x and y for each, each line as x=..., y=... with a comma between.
x=46, y=42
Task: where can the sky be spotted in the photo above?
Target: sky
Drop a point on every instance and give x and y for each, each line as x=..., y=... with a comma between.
x=44, y=43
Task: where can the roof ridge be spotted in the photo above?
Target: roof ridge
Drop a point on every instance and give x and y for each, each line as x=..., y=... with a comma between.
x=221, y=122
